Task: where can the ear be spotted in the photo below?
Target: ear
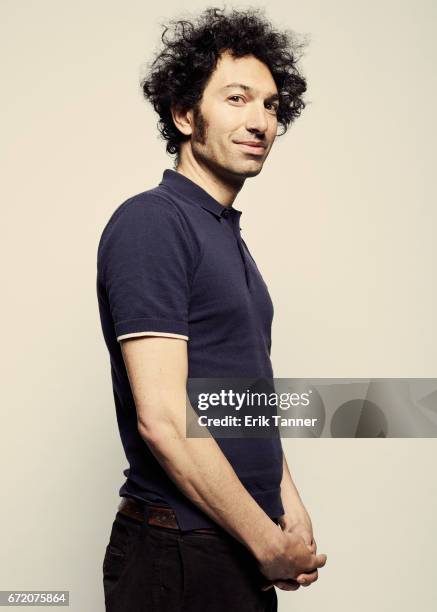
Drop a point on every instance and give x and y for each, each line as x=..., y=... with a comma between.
x=183, y=120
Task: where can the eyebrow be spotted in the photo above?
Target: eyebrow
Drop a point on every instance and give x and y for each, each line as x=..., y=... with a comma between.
x=273, y=96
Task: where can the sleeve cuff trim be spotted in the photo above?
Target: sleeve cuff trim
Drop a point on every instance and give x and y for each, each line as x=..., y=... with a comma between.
x=145, y=325
x=152, y=333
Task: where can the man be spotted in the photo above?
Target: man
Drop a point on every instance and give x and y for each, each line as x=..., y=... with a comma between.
x=204, y=524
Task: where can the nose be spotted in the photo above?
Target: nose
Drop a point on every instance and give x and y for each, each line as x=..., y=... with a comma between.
x=256, y=119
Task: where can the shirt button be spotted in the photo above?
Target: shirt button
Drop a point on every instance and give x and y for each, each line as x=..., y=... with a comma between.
x=225, y=213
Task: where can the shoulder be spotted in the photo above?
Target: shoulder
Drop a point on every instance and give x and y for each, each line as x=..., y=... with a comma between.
x=139, y=206
x=145, y=213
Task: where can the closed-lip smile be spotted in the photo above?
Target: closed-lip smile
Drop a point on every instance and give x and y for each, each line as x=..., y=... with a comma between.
x=252, y=143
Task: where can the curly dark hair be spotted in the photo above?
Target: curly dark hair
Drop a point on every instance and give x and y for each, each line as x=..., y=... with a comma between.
x=181, y=69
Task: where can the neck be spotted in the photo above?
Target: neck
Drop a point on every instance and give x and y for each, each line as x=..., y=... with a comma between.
x=219, y=187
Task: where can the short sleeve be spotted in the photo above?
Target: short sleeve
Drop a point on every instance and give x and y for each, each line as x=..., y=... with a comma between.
x=145, y=262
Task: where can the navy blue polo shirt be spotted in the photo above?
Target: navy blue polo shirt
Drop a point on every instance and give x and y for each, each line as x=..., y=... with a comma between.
x=171, y=261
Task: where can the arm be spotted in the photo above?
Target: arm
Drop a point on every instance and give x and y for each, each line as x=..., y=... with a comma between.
x=295, y=519
x=294, y=511
x=157, y=368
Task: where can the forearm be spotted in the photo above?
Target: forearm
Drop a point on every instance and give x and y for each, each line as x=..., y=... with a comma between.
x=294, y=509
x=202, y=472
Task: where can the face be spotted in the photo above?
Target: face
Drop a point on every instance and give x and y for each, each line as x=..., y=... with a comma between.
x=239, y=105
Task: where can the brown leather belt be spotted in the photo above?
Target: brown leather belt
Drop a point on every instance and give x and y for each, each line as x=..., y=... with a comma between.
x=160, y=516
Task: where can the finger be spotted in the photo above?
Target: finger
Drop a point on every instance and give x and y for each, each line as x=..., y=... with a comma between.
x=316, y=562
x=308, y=578
x=320, y=560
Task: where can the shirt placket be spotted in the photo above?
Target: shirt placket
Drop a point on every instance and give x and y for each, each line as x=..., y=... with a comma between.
x=233, y=221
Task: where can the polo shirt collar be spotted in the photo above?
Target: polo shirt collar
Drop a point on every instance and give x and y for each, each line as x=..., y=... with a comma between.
x=181, y=184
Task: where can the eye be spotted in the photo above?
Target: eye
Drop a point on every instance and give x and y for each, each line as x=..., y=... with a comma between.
x=273, y=106
x=235, y=96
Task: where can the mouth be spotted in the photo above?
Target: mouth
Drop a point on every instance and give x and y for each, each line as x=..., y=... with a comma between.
x=253, y=148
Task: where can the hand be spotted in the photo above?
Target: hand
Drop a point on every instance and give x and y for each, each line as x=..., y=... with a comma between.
x=304, y=529
x=294, y=563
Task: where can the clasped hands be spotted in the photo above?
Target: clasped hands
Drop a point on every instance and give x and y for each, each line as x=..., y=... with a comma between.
x=301, y=530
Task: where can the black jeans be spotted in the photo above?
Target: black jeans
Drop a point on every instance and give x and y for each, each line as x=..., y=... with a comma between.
x=156, y=569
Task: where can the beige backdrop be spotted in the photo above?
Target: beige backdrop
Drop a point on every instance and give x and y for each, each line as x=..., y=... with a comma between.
x=341, y=220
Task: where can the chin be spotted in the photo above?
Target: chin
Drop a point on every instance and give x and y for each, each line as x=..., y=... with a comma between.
x=239, y=169
x=254, y=171
x=246, y=169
